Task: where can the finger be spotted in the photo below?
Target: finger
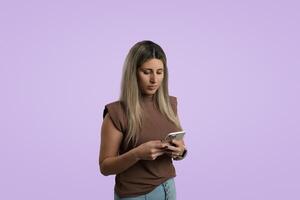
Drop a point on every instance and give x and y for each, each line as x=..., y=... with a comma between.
x=158, y=151
x=172, y=148
x=172, y=154
x=160, y=145
x=156, y=142
x=176, y=142
x=175, y=154
x=154, y=156
x=164, y=144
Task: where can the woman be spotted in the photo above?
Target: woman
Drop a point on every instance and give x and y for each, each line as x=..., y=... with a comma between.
x=133, y=129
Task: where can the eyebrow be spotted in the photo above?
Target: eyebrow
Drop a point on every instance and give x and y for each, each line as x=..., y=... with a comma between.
x=145, y=68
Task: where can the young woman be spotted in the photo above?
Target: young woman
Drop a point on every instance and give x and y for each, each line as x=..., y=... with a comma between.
x=134, y=128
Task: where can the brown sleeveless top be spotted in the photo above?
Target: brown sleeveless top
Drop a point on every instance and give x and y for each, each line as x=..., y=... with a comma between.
x=145, y=175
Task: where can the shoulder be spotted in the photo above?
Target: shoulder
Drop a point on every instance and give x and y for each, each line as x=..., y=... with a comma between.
x=116, y=111
x=173, y=102
x=173, y=99
x=115, y=103
x=117, y=107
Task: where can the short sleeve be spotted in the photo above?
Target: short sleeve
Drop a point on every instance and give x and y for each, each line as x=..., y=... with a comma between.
x=116, y=114
x=173, y=101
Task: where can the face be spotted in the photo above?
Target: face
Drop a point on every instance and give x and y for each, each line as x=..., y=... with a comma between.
x=150, y=76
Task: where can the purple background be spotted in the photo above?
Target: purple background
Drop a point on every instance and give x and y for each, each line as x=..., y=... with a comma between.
x=234, y=66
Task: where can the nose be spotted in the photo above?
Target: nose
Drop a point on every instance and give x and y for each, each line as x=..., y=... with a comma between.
x=153, y=78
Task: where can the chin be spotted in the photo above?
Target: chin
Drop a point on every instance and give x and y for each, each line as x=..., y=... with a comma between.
x=150, y=92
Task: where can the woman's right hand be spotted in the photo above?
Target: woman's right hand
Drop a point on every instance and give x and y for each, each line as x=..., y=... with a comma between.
x=150, y=150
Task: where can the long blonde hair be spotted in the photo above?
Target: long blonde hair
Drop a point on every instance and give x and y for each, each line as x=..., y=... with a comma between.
x=131, y=94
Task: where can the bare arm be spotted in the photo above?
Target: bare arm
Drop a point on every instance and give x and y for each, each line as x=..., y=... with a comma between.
x=109, y=159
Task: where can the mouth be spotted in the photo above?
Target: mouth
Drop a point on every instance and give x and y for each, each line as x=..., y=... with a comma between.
x=152, y=87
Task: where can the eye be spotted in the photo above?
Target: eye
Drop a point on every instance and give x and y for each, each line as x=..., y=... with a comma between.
x=160, y=72
x=146, y=72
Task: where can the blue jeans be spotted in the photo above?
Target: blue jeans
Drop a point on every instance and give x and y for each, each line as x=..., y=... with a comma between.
x=165, y=191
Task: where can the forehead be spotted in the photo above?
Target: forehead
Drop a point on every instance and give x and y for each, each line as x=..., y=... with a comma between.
x=153, y=64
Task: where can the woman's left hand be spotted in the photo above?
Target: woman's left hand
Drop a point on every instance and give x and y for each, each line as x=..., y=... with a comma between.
x=175, y=148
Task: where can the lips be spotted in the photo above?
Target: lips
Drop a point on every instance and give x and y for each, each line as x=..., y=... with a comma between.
x=151, y=87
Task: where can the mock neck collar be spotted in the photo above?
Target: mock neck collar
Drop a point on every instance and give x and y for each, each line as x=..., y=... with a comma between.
x=147, y=98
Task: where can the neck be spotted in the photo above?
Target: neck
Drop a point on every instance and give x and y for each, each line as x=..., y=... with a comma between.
x=147, y=97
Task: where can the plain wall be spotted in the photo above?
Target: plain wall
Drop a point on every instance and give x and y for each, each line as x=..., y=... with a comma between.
x=234, y=67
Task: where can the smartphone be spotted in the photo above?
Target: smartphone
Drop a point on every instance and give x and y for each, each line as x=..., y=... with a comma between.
x=175, y=136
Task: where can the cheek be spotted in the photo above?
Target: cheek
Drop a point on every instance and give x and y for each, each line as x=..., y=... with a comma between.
x=161, y=78
x=143, y=80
